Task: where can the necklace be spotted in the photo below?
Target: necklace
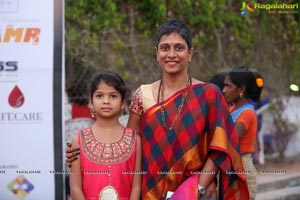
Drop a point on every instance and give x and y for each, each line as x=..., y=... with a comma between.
x=160, y=99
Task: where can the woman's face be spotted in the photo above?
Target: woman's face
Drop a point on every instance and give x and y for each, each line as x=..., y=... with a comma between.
x=173, y=54
x=231, y=91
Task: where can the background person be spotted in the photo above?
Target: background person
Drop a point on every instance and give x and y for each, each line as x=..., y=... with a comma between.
x=218, y=79
x=241, y=85
x=77, y=92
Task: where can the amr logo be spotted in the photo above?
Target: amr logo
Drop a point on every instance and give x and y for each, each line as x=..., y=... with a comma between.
x=20, y=35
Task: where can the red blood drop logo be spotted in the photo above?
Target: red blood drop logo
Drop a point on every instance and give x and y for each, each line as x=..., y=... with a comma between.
x=16, y=98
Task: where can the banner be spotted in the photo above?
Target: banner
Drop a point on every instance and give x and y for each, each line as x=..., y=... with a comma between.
x=31, y=79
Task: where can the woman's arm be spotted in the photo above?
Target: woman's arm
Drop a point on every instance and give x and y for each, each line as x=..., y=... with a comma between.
x=137, y=177
x=207, y=177
x=76, y=177
x=240, y=129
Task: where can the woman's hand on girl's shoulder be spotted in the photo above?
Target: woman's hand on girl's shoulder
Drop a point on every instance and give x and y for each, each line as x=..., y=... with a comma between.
x=71, y=154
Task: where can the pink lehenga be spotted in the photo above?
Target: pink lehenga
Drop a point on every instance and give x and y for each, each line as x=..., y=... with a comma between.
x=107, y=169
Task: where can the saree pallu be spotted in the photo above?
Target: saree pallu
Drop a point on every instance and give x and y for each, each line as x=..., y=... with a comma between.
x=204, y=129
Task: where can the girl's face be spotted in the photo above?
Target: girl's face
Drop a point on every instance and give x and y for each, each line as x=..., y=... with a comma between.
x=173, y=54
x=107, y=101
x=231, y=91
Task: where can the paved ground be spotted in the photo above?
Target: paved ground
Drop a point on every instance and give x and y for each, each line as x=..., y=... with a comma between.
x=273, y=170
x=279, y=180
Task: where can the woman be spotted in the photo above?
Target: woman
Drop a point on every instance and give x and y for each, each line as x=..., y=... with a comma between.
x=185, y=127
x=241, y=85
x=187, y=133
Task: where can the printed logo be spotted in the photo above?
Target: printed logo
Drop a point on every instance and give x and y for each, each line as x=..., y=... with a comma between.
x=246, y=8
x=21, y=187
x=9, y=66
x=16, y=98
x=21, y=35
x=8, y=71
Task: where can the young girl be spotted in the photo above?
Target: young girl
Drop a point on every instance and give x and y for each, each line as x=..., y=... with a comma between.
x=110, y=155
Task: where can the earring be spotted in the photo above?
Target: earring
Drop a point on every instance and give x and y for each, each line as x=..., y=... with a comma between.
x=92, y=112
x=241, y=95
x=122, y=111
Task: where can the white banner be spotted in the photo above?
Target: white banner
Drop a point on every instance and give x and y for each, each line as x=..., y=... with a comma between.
x=26, y=99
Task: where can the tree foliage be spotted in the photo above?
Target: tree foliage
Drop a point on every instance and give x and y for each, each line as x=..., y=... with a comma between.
x=119, y=36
